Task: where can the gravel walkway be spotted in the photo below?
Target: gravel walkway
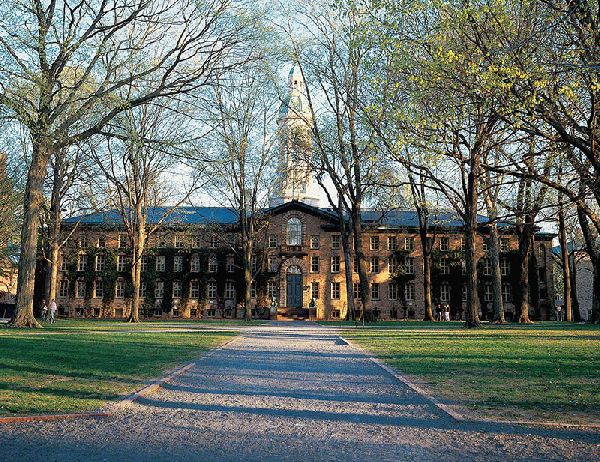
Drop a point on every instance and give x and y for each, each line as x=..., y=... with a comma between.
x=287, y=392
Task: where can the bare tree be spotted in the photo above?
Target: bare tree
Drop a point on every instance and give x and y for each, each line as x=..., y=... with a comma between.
x=141, y=146
x=241, y=171
x=64, y=64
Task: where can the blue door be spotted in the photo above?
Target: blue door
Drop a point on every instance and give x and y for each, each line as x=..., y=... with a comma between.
x=294, y=290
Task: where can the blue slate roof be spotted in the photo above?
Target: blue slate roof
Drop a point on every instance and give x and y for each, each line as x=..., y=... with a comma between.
x=224, y=215
x=182, y=215
x=409, y=218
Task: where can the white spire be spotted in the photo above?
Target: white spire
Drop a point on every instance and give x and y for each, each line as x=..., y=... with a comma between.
x=295, y=181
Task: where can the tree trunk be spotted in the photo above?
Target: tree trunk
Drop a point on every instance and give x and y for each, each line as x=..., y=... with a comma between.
x=594, y=254
x=54, y=237
x=362, y=264
x=32, y=203
x=574, y=297
x=525, y=236
x=248, y=250
x=348, y=266
x=471, y=200
x=494, y=250
x=426, y=250
x=138, y=241
x=566, y=267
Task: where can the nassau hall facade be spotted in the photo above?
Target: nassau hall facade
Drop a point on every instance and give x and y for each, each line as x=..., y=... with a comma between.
x=192, y=267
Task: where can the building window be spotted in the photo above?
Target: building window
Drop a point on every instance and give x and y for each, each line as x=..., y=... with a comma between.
x=335, y=264
x=160, y=263
x=504, y=244
x=487, y=267
x=314, y=290
x=335, y=290
x=375, y=291
x=356, y=290
x=159, y=289
x=82, y=263
x=211, y=290
x=120, y=289
x=63, y=288
x=254, y=263
x=229, y=290
x=315, y=242
x=230, y=265
x=464, y=293
x=335, y=241
x=272, y=241
x=123, y=241
x=214, y=242
x=194, y=289
x=213, y=264
x=294, y=231
x=178, y=263
x=79, y=289
x=463, y=244
x=143, y=287
x=393, y=291
x=374, y=243
x=444, y=266
x=253, y=289
x=197, y=242
x=409, y=243
x=409, y=291
x=485, y=245
x=444, y=244
x=63, y=263
x=392, y=243
x=506, y=293
x=101, y=242
x=176, y=293
x=409, y=265
x=314, y=264
x=273, y=263
x=444, y=292
x=271, y=289
x=374, y=264
x=144, y=263
x=82, y=242
x=393, y=265
x=504, y=267
x=121, y=263
x=488, y=294
x=100, y=262
x=355, y=264
x=195, y=263
x=178, y=241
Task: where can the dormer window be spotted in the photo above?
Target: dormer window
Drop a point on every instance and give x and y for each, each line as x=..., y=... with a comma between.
x=294, y=231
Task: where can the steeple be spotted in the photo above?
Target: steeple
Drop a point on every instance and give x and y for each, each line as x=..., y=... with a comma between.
x=295, y=180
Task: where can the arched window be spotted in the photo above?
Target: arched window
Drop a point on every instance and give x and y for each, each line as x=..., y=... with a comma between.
x=294, y=231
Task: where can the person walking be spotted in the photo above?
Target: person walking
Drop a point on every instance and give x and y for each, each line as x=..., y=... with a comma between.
x=44, y=311
x=53, y=309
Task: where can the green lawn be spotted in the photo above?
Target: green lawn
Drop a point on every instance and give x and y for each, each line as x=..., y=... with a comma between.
x=45, y=372
x=548, y=371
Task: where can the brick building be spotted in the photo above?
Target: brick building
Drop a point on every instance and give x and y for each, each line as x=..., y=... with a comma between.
x=193, y=269
x=192, y=266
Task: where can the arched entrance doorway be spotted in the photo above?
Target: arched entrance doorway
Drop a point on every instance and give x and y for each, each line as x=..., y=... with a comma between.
x=293, y=290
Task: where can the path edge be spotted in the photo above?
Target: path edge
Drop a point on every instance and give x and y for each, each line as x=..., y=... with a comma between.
x=457, y=416
x=107, y=411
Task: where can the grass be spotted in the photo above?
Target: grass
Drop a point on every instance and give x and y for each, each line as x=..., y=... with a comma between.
x=547, y=371
x=85, y=325
x=45, y=372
